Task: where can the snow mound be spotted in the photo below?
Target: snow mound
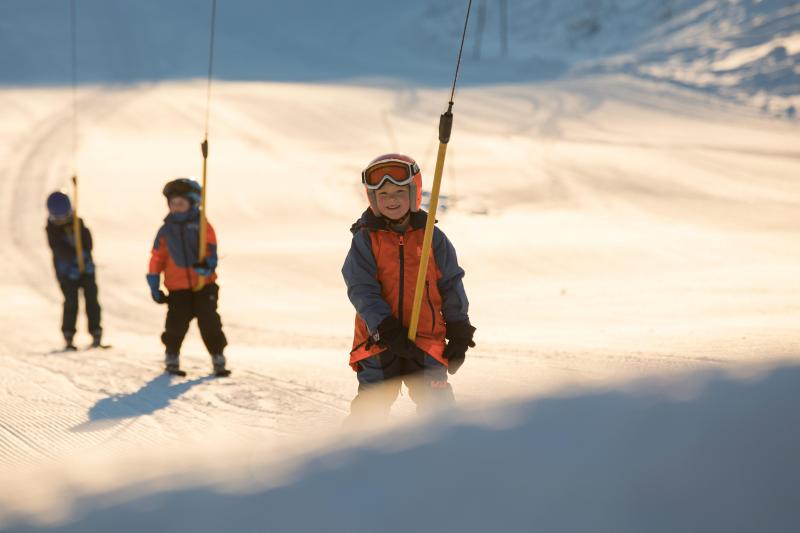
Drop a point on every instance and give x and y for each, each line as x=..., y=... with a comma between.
x=688, y=455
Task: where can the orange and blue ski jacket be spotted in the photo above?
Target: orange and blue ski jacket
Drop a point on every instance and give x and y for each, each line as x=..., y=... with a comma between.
x=175, y=250
x=380, y=272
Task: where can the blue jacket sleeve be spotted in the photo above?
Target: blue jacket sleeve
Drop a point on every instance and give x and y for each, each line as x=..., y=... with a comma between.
x=455, y=305
x=86, y=238
x=360, y=274
x=154, y=281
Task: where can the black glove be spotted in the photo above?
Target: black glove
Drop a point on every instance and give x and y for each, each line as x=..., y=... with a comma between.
x=154, y=281
x=459, y=339
x=203, y=269
x=395, y=337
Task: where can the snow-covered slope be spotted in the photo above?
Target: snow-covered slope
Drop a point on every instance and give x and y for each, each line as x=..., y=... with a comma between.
x=611, y=227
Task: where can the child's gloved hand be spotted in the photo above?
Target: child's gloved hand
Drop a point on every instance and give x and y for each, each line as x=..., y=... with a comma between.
x=159, y=297
x=88, y=264
x=203, y=269
x=395, y=337
x=74, y=273
x=154, y=281
x=459, y=340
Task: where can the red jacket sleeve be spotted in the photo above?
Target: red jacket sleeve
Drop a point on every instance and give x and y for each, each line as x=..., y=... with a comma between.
x=158, y=255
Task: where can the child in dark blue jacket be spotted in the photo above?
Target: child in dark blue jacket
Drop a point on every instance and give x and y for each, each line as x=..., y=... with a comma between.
x=61, y=238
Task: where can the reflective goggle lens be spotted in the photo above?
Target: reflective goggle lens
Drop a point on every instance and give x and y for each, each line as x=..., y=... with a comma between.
x=399, y=173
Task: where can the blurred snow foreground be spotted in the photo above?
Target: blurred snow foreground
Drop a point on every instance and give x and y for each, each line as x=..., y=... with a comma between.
x=711, y=453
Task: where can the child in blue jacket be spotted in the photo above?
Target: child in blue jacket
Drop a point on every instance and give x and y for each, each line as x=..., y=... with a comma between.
x=61, y=238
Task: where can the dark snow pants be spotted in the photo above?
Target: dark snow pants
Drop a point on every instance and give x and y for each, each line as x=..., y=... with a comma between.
x=70, y=289
x=380, y=378
x=185, y=305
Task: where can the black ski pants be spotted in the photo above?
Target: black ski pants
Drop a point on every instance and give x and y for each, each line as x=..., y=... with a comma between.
x=187, y=304
x=70, y=289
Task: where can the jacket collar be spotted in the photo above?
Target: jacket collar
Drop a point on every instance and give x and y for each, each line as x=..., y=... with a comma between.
x=372, y=222
x=180, y=218
x=66, y=225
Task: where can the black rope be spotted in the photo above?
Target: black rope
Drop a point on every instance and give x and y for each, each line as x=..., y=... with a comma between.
x=74, y=46
x=211, y=63
x=460, y=51
x=446, y=119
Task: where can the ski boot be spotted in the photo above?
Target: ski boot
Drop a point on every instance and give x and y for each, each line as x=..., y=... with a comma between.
x=219, y=366
x=97, y=336
x=172, y=365
x=68, y=344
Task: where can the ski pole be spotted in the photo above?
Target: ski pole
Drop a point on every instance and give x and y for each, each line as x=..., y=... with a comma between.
x=445, y=128
x=202, y=244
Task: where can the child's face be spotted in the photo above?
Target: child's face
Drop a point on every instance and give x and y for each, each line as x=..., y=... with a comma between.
x=179, y=204
x=393, y=201
x=62, y=220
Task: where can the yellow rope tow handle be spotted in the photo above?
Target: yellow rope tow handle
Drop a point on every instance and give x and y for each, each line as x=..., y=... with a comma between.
x=203, y=240
x=445, y=128
x=76, y=226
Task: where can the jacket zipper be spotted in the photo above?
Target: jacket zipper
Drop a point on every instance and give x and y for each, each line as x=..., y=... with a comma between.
x=183, y=249
x=402, y=272
x=430, y=304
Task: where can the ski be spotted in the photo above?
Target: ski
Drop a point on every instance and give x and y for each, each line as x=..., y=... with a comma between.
x=73, y=348
x=222, y=373
x=65, y=349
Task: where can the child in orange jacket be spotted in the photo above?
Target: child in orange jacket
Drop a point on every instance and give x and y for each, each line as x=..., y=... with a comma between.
x=175, y=254
x=380, y=272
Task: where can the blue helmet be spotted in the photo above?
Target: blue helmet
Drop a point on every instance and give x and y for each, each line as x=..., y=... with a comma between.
x=185, y=187
x=58, y=205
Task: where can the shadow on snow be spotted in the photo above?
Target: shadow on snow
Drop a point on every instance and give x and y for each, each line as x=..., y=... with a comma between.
x=155, y=395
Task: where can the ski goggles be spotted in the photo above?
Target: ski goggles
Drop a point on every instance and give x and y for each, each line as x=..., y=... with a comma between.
x=396, y=171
